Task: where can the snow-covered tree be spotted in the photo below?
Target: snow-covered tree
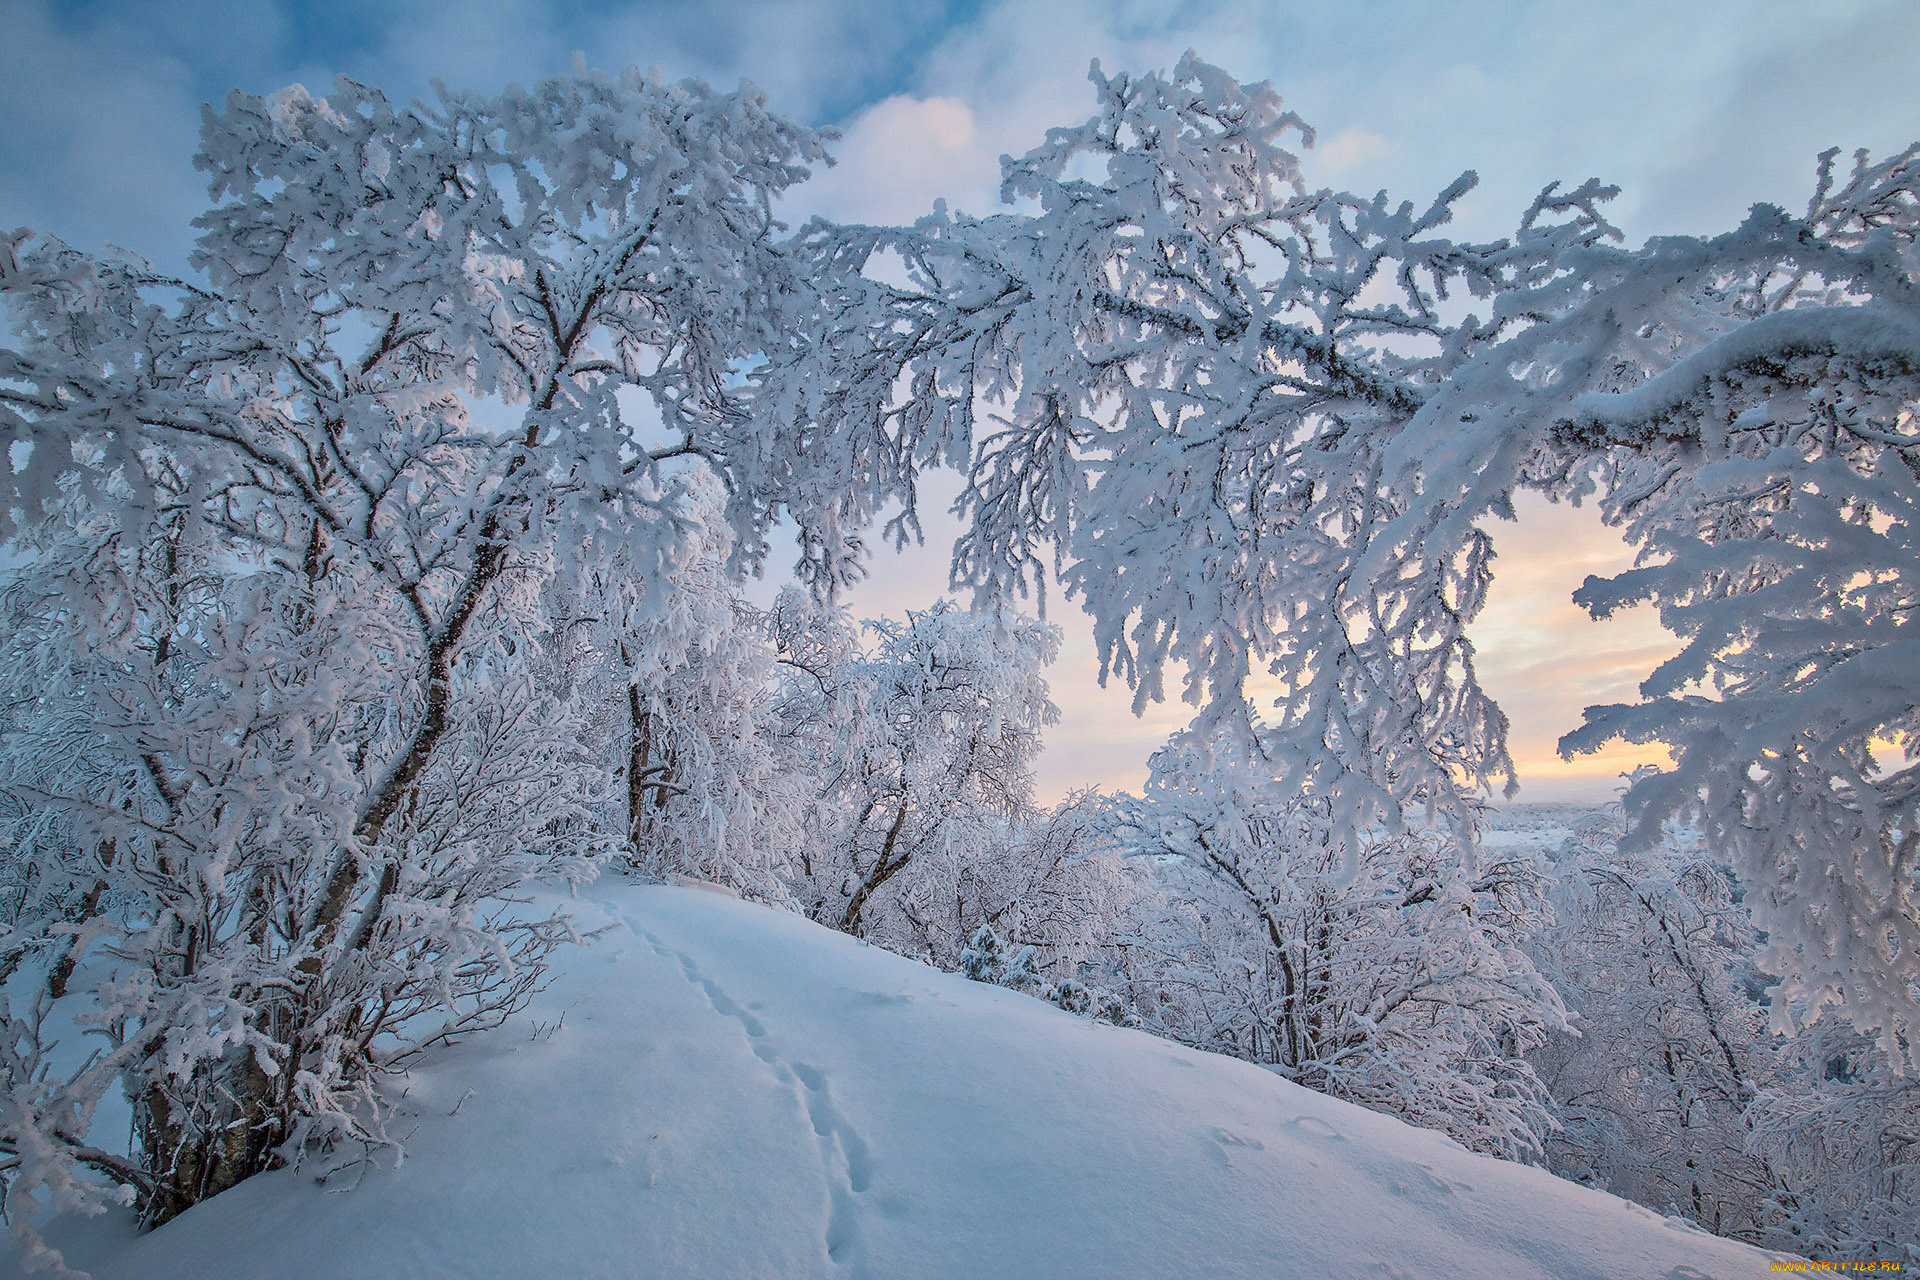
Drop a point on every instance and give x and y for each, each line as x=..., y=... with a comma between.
x=1670, y=1087
x=1402, y=987
x=917, y=744
x=1049, y=880
x=1652, y=950
x=1259, y=427
x=1841, y=1130
x=680, y=676
x=298, y=524
x=1197, y=364
x=183, y=746
x=923, y=743
x=1756, y=438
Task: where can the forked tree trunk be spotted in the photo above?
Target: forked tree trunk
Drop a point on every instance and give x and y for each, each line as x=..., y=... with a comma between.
x=883, y=870
x=639, y=765
x=62, y=971
x=230, y=1127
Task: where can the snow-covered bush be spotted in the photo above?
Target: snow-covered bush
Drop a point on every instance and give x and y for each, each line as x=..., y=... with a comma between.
x=187, y=743
x=1842, y=1131
x=987, y=958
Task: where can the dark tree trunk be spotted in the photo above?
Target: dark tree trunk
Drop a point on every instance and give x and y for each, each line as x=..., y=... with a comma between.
x=199, y=1147
x=883, y=871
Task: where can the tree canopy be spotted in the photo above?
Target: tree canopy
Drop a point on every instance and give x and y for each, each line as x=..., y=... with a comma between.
x=1258, y=429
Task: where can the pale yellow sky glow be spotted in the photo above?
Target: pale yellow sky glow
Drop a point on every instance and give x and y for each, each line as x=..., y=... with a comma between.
x=1545, y=659
x=1540, y=655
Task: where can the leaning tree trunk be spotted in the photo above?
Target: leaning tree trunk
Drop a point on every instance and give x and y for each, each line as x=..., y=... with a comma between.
x=884, y=869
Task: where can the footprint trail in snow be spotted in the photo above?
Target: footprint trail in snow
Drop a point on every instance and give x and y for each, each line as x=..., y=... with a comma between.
x=845, y=1157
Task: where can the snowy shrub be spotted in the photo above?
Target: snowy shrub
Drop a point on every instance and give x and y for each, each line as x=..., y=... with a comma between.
x=1071, y=995
x=1096, y=1004
x=987, y=959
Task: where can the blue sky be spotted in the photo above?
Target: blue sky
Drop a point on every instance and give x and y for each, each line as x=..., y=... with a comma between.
x=1697, y=108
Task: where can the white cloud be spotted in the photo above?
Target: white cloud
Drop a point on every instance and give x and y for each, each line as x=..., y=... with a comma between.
x=1352, y=148
x=900, y=155
x=101, y=129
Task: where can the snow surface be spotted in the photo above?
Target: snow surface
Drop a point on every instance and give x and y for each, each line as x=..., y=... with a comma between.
x=735, y=1091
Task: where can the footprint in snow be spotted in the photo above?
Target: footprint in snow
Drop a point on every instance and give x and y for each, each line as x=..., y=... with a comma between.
x=1222, y=1139
x=1317, y=1127
x=1440, y=1183
x=1228, y=1138
x=883, y=998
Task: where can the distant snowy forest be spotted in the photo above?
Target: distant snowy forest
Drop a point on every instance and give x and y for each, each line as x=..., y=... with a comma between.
x=393, y=563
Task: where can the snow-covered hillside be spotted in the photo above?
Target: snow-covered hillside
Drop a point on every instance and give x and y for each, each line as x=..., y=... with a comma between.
x=735, y=1092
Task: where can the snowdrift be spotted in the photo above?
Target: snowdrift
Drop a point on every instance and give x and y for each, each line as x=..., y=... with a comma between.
x=715, y=1089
